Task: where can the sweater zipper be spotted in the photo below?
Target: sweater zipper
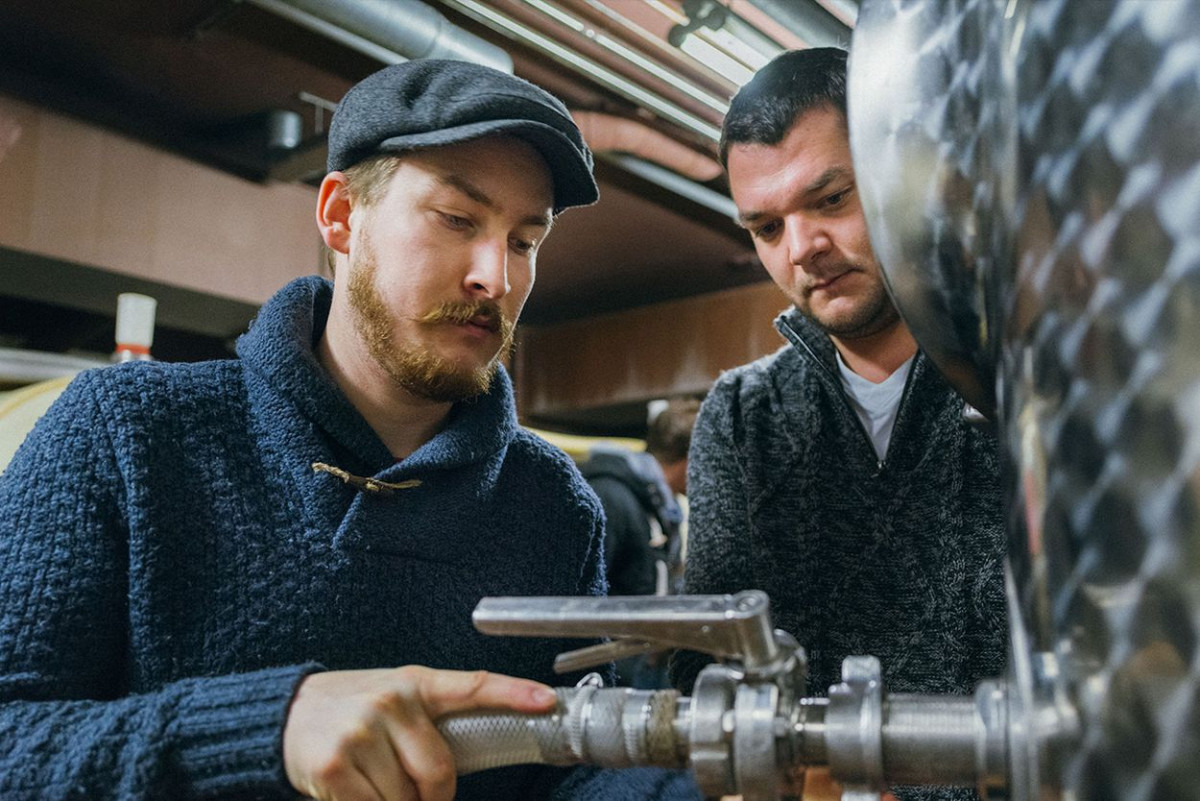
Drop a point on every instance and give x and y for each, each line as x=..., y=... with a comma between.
x=880, y=464
x=900, y=409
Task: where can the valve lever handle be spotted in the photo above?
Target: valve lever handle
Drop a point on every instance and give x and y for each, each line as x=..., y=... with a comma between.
x=735, y=627
x=596, y=655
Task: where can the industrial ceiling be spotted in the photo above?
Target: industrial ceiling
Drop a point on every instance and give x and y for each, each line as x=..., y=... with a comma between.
x=246, y=87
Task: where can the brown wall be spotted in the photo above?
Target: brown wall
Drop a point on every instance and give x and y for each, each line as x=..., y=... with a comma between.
x=650, y=352
x=83, y=195
x=78, y=193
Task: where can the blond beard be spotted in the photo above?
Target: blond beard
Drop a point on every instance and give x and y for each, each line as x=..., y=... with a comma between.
x=410, y=366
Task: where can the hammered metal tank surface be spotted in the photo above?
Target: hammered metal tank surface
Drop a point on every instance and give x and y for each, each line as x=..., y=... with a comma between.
x=931, y=107
x=1033, y=168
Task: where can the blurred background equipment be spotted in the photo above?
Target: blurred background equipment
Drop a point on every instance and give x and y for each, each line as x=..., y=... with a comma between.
x=171, y=149
x=45, y=375
x=135, y=327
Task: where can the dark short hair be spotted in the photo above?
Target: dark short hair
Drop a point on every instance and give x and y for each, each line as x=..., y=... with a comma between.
x=765, y=109
x=669, y=434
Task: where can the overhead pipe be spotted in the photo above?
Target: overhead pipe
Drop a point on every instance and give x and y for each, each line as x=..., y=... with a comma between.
x=810, y=21
x=391, y=31
x=699, y=115
x=846, y=11
x=605, y=132
x=715, y=16
x=599, y=17
x=661, y=70
x=655, y=157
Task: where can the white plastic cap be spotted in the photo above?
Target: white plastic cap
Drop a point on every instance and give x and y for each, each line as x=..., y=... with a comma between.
x=135, y=319
x=656, y=407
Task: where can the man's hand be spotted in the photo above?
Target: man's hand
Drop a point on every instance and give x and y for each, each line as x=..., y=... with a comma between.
x=820, y=786
x=369, y=735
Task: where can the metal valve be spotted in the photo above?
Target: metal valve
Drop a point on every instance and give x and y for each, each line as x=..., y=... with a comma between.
x=731, y=729
x=748, y=727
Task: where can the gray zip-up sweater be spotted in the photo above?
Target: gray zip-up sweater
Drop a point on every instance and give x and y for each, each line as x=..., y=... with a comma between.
x=900, y=559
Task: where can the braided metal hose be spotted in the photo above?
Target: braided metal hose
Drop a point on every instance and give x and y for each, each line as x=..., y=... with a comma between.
x=608, y=727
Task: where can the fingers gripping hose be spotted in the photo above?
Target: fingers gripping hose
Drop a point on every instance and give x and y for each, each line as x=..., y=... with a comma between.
x=609, y=727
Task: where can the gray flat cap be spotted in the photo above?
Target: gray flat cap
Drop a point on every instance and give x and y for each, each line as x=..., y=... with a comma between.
x=433, y=102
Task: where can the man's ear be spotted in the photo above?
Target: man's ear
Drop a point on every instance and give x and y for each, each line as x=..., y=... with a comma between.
x=333, y=212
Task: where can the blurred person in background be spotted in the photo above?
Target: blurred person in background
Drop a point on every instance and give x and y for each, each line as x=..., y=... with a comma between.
x=643, y=542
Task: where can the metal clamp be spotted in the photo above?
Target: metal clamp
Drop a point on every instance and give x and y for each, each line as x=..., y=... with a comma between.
x=854, y=729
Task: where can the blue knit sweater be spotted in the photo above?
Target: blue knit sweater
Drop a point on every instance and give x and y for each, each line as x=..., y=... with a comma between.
x=172, y=567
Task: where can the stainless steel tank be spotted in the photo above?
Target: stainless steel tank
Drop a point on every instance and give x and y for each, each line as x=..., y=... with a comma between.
x=1031, y=176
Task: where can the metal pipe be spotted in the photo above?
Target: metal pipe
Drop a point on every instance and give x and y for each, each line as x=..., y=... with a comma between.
x=697, y=193
x=930, y=739
x=391, y=31
x=657, y=68
x=747, y=728
x=809, y=747
x=809, y=21
x=846, y=11
x=507, y=24
x=598, y=16
x=934, y=740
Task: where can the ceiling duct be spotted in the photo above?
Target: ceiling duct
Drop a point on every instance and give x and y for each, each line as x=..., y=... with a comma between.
x=808, y=20
x=391, y=31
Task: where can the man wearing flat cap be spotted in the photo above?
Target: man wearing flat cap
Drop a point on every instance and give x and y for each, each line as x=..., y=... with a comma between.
x=254, y=578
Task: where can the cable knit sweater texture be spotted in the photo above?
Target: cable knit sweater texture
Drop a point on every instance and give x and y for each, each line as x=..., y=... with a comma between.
x=172, y=567
x=900, y=559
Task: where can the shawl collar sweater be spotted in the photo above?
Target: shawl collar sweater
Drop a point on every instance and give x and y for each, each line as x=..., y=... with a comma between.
x=173, y=566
